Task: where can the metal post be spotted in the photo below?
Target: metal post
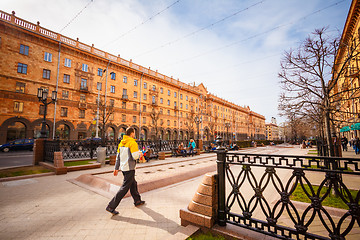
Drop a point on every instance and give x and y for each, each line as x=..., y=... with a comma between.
x=43, y=125
x=221, y=159
x=56, y=89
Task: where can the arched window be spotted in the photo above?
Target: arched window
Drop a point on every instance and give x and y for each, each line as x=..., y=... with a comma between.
x=17, y=130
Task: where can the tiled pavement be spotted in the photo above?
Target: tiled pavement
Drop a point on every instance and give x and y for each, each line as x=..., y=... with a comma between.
x=53, y=208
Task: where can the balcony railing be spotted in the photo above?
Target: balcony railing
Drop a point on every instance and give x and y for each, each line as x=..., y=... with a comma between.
x=84, y=89
x=82, y=105
x=125, y=97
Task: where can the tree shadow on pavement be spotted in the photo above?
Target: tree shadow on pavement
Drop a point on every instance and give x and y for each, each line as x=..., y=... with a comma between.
x=160, y=221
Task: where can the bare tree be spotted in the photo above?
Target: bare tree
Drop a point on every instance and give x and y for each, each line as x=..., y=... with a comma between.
x=155, y=123
x=105, y=112
x=309, y=79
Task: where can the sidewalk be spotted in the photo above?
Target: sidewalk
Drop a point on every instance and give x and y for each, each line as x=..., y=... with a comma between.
x=53, y=208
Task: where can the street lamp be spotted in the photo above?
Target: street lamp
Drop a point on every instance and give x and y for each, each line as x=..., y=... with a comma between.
x=42, y=96
x=197, y=121
x=99, y=87
x=227, y=125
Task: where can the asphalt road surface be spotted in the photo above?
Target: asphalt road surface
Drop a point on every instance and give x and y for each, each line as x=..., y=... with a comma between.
x=15, y=158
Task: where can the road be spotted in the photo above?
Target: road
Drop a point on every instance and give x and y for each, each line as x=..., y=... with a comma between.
x=16, y=158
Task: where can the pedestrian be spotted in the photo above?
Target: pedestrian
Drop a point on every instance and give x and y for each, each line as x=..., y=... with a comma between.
x=127, y=154
x=356, y=144
x=191, y=146
x=182, y=150
x=344, y=143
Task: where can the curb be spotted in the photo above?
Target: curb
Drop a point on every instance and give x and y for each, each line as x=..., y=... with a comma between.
x=26, y=176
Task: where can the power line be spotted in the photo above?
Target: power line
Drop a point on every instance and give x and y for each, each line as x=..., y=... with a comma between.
x=142, y=23
x=200, y=29
x=256, y=35
x=75, y=16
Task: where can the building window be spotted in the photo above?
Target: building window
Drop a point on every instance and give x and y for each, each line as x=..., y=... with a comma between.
x=161, y=90
x=64, y=112
x=67, y=62
x=161, y=100
x=48, y=57
x=99, y=86
x=82, y=113
x=84, y=67
x=145, y=96
x=168, y=122
x=113, y=75
x=22, y=68
x=100, y=72
x=134, y=119
x=168, y=92
x=180, y=105
x=124, y=92
x=41, y=109
x=144, y=108
x=153, y=100
x=112, y=89
x=123, y=105
x=111, y=117
x=186, y=106
x=144, y=120
x=134, y=106
x=82, y=98
x=168, y=102
x=135, y=82
x=124, y=79
x=20, y=87
x=66, y=78
x=65, y=94
x=135, y=94
x=161, y=111
x=174, y=123
x=123, y=118
x=175, y=94
x=169, y=112
x=187, y=98
x=46, y=73
x=112, y=103
x=154, y=88
x=145, y=85
x=174, y=103
x=181, y=96
x=83, y=84
x=18, y=106
x=24, y=50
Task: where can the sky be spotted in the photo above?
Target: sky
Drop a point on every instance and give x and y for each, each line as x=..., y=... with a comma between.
x=233, y=47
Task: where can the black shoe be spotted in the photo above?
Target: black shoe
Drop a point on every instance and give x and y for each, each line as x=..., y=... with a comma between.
x=139, y=203
x=112, y=211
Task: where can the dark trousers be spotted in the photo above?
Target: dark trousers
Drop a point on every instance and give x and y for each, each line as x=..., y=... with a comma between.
x=128, y=183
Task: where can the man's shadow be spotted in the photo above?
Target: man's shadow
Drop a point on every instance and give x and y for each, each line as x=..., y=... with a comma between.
x=157, y=217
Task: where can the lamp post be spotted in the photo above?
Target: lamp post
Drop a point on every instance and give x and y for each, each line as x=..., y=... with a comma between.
x=42, y=96
x=99, y=87
x=197, y=121
x=227, y=125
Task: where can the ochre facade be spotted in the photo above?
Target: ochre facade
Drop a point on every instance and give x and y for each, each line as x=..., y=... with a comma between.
x=32, y=57
x=346, y=93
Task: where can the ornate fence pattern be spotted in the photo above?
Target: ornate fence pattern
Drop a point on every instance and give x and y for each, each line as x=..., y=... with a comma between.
x=255, y=193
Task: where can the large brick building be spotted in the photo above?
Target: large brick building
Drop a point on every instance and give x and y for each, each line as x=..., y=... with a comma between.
x=33, y=57
x=346, y=91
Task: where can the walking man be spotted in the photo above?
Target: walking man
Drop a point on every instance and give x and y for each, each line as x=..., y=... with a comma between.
x=127, y=154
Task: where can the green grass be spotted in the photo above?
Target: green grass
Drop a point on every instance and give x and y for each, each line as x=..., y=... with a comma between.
x=14, y=172
x=312, y=150
x=330, y=201
x=78, y=163
x=205, y=236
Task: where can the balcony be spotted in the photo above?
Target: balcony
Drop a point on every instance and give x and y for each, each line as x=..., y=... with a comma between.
x=153, y=92
x=154, y=103
x=82, y=105
x=175, y=108
x=125, y=97
x=84, y=89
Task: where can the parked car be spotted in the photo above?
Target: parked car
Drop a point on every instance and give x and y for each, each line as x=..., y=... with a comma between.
x=19, y=144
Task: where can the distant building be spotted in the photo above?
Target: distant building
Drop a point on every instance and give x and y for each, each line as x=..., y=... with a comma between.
x=272, y=131
x=33, y=57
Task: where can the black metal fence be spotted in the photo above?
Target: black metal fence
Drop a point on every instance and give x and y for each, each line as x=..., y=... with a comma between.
x=78, y=149
x=256, y=192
